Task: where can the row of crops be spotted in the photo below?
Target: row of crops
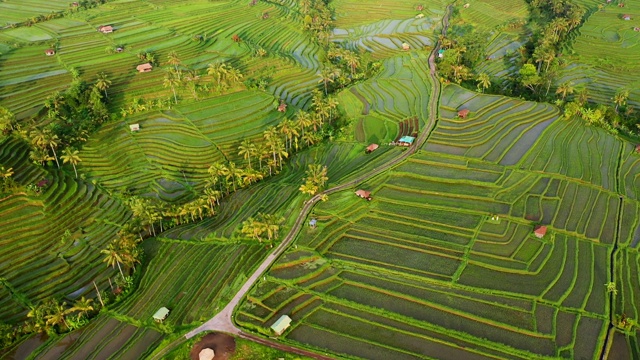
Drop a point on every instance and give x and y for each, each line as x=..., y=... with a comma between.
x=602, y=55
x=444, y=261
x=497, y=129
x=35, y=262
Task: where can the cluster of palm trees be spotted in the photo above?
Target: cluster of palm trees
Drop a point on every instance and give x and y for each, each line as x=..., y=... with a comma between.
x=262, y=224
x=123, y=250
x=49, y=316
x=45, y=140
x=318, y=19
x=315, y=180
x=224, y=75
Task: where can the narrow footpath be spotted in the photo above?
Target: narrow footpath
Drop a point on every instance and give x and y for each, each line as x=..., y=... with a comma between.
x=223, y=321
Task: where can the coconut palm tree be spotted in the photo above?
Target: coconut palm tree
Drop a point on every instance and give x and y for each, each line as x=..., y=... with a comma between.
x=620, y=98
x=57, y=315
x=173, y=60
x=483, y=81
x=566, y=88
x=303, y=120
x=70, y=155
x=103, y=83
x=247, y=150
x=326, y=76
x=113, y=257
x=7, y=120
x=82, y=306
x=317, y=174
x=280, y=150
x=213, y=197
x=171, y=82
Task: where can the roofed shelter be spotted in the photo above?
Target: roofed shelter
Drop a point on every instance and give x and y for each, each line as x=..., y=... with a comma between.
x=206, y=354
x=282, y=107
x=463, y=113
x=161, y=314
x=405, y=46
x=626, y=17
x=540, y=231
x=144, y=67
x=364, y=194
x=49, y=52
x=638, y=148
x=106, y=29
x=134, y=127
x=281, y=325
x=406, y=140
x=371, y=148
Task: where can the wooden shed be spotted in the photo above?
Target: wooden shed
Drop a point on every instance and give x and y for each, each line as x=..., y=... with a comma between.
x=281, y=325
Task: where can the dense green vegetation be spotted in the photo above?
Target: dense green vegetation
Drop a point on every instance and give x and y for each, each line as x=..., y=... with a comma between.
x=124, y=191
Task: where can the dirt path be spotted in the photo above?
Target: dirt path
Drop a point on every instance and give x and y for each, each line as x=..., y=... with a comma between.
x=223, y=321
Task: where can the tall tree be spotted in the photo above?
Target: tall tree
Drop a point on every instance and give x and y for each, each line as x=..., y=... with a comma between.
x=483, y=81
x=171, y=82
x=103, y=83
x=620, y=98
x=70, y=155
x=173, y=60
x=566, y=88
x=247, y=150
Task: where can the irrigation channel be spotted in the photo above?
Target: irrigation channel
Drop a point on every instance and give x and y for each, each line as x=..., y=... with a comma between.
x=223, y=321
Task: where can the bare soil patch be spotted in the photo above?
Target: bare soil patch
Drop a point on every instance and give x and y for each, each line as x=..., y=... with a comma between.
x=222, y=345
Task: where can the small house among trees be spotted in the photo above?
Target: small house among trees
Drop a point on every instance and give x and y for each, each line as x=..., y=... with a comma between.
x=161, y=314
x=134, y=127
x=364, y=194
x=144, y=67
x=371, y=148
x=281, y=325
x=106, y=29
x=420, y=7
x=49, y=52
x=119, y=49
x=626, y=17
x=405, y=46
x=463, y=113
x=540, y=231
x=282, y=107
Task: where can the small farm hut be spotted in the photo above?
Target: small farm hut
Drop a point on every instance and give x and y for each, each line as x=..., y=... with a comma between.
x=282, y=107
x=49, y=52
x=540, y=231
x=636, y=28
x=406, y=140
x=313, y=223
x=364, y=194
x=106, y=29
x=419, y=16
x=466, y=6
x=144, y=67
x=75, y=4
x=463, y=113
x=161, y=314
x=134, y=127
x=441, y=53
x=119, y=49
x=371, y=148
x=420, y=7
x=405, y=46
x=626, y=17
x=638, y=148
x=206, y=354
x=281, y=325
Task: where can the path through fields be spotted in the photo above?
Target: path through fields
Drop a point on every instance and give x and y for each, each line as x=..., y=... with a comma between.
x=223, y=321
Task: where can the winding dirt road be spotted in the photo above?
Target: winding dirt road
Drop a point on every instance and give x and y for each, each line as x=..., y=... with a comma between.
x=223, y=321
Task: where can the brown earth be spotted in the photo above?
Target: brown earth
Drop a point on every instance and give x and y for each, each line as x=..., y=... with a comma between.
x=222, y=345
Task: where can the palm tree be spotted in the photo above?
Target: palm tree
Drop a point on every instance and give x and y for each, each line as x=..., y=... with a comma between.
x=174, y=61
x=326, y=77
x=352, y=60
x=232, y=174
x=332, y=104
x=82, y=306
x=172, y=82
x=620, y=98
x=280, y=150
x=5, y=173
x=566, y=88
x=287, y=128
x=6, y=120
x=483, y=81
x=317, y=174
x=302, y=120
x=213, y=196
x=47, y=138
x=234, y=76
x=112, y=257
x=103, y=83
x=247, y=150
x=57, y=316
x=70, y=155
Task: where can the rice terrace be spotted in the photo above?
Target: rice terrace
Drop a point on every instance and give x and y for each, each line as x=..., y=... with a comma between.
x=320, y=179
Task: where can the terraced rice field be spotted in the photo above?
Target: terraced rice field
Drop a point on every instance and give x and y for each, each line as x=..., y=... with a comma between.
x=604, y=57
x=32, y=226
x=497, y=129
x=425, y=269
